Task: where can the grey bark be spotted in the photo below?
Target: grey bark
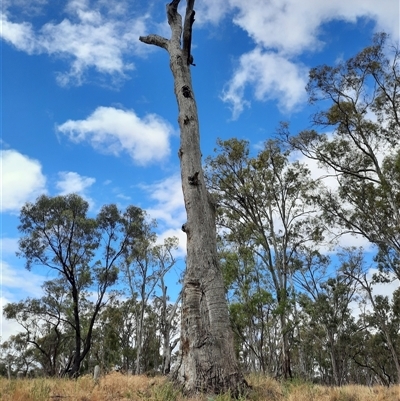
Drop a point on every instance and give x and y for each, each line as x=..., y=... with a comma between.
x=96, y=373
x=208, y=362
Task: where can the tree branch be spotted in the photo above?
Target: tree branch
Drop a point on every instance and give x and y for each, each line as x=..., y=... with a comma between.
x=187, y=32
x=155, y=40
x=172, y=11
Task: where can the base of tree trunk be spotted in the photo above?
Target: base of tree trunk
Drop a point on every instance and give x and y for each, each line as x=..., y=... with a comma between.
x=201, y=377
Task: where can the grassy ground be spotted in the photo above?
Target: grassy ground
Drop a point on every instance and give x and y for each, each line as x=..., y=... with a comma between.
x=117, y=387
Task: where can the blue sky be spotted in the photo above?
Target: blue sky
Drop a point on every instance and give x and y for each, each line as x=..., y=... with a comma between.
x=87, y=108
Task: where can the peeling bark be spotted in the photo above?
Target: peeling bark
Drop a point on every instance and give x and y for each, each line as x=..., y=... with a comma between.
x=208, y=362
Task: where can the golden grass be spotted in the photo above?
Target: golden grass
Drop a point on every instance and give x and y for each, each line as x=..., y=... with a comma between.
x=118, y=387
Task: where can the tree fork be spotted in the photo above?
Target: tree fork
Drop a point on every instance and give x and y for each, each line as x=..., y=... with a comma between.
x=207, y=361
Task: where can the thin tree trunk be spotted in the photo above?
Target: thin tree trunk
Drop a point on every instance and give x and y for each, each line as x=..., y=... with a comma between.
x=333, y=356
x=208, y=362
x=139, y=337
x=388, y=337
x=382, y=324
x=167, y=327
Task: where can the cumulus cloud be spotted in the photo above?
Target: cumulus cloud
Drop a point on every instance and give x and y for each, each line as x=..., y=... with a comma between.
x=211, y=11
x=88, y=38
x=16, y=284
x=178, y=233
x=8, y=328
x=282, y=30
x=100, y=35
x=71, y=182
x=271, y=76
x=114, y=131
x=168, y=201
x=293, y=26
x=22, y=180
x=168, y=209
x=21, y=35
x=14, y=279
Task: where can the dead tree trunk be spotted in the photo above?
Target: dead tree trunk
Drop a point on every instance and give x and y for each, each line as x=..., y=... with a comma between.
x=208, y=362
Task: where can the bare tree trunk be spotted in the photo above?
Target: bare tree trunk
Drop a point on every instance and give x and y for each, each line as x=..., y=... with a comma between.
x=9, y=370
x=139, y=337
x=333, y=356
x=167, y=317
x=208, y=362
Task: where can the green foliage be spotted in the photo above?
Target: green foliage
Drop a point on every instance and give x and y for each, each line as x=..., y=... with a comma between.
x=290, y=301
x=362, y=150
x=85, y=253
x=361, y=102
x=266, y=208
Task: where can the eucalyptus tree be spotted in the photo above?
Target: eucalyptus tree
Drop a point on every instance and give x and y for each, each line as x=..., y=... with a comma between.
x=384, y=323
x=83, y=252
x=114, y=335
x=251, y=307
x=145, y=264
x=140, y=273
x=384, y=315
x=329, y=310
x=266, y=205
x=358, y=143
x=373, y=361
x=208, y=361
x=45, y=324
x=18, y=355
x=164, y=254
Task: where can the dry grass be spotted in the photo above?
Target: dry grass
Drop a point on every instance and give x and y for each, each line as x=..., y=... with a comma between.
x=118, y=387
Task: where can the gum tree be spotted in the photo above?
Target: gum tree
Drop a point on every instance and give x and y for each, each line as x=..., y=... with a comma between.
x=58, y=234
x=208, y=361
x=267, y=211
x=359, y=105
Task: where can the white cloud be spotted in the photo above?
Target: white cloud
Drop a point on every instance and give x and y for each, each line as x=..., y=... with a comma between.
x=88, y=38
x=292, y=26
x=281, y=30
x=124, y=197
x=174, y=232
x=114, y=131
x=8, y=246
x=211, y=11
x=7, y=327
x=21, y=35
x=22, y=180
x=168, y=198
x=384, y=289
x=270, y=76
x=16, y=284
x=20, y=280
x=169, y=210
x=333, y=239
x=71, y=182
